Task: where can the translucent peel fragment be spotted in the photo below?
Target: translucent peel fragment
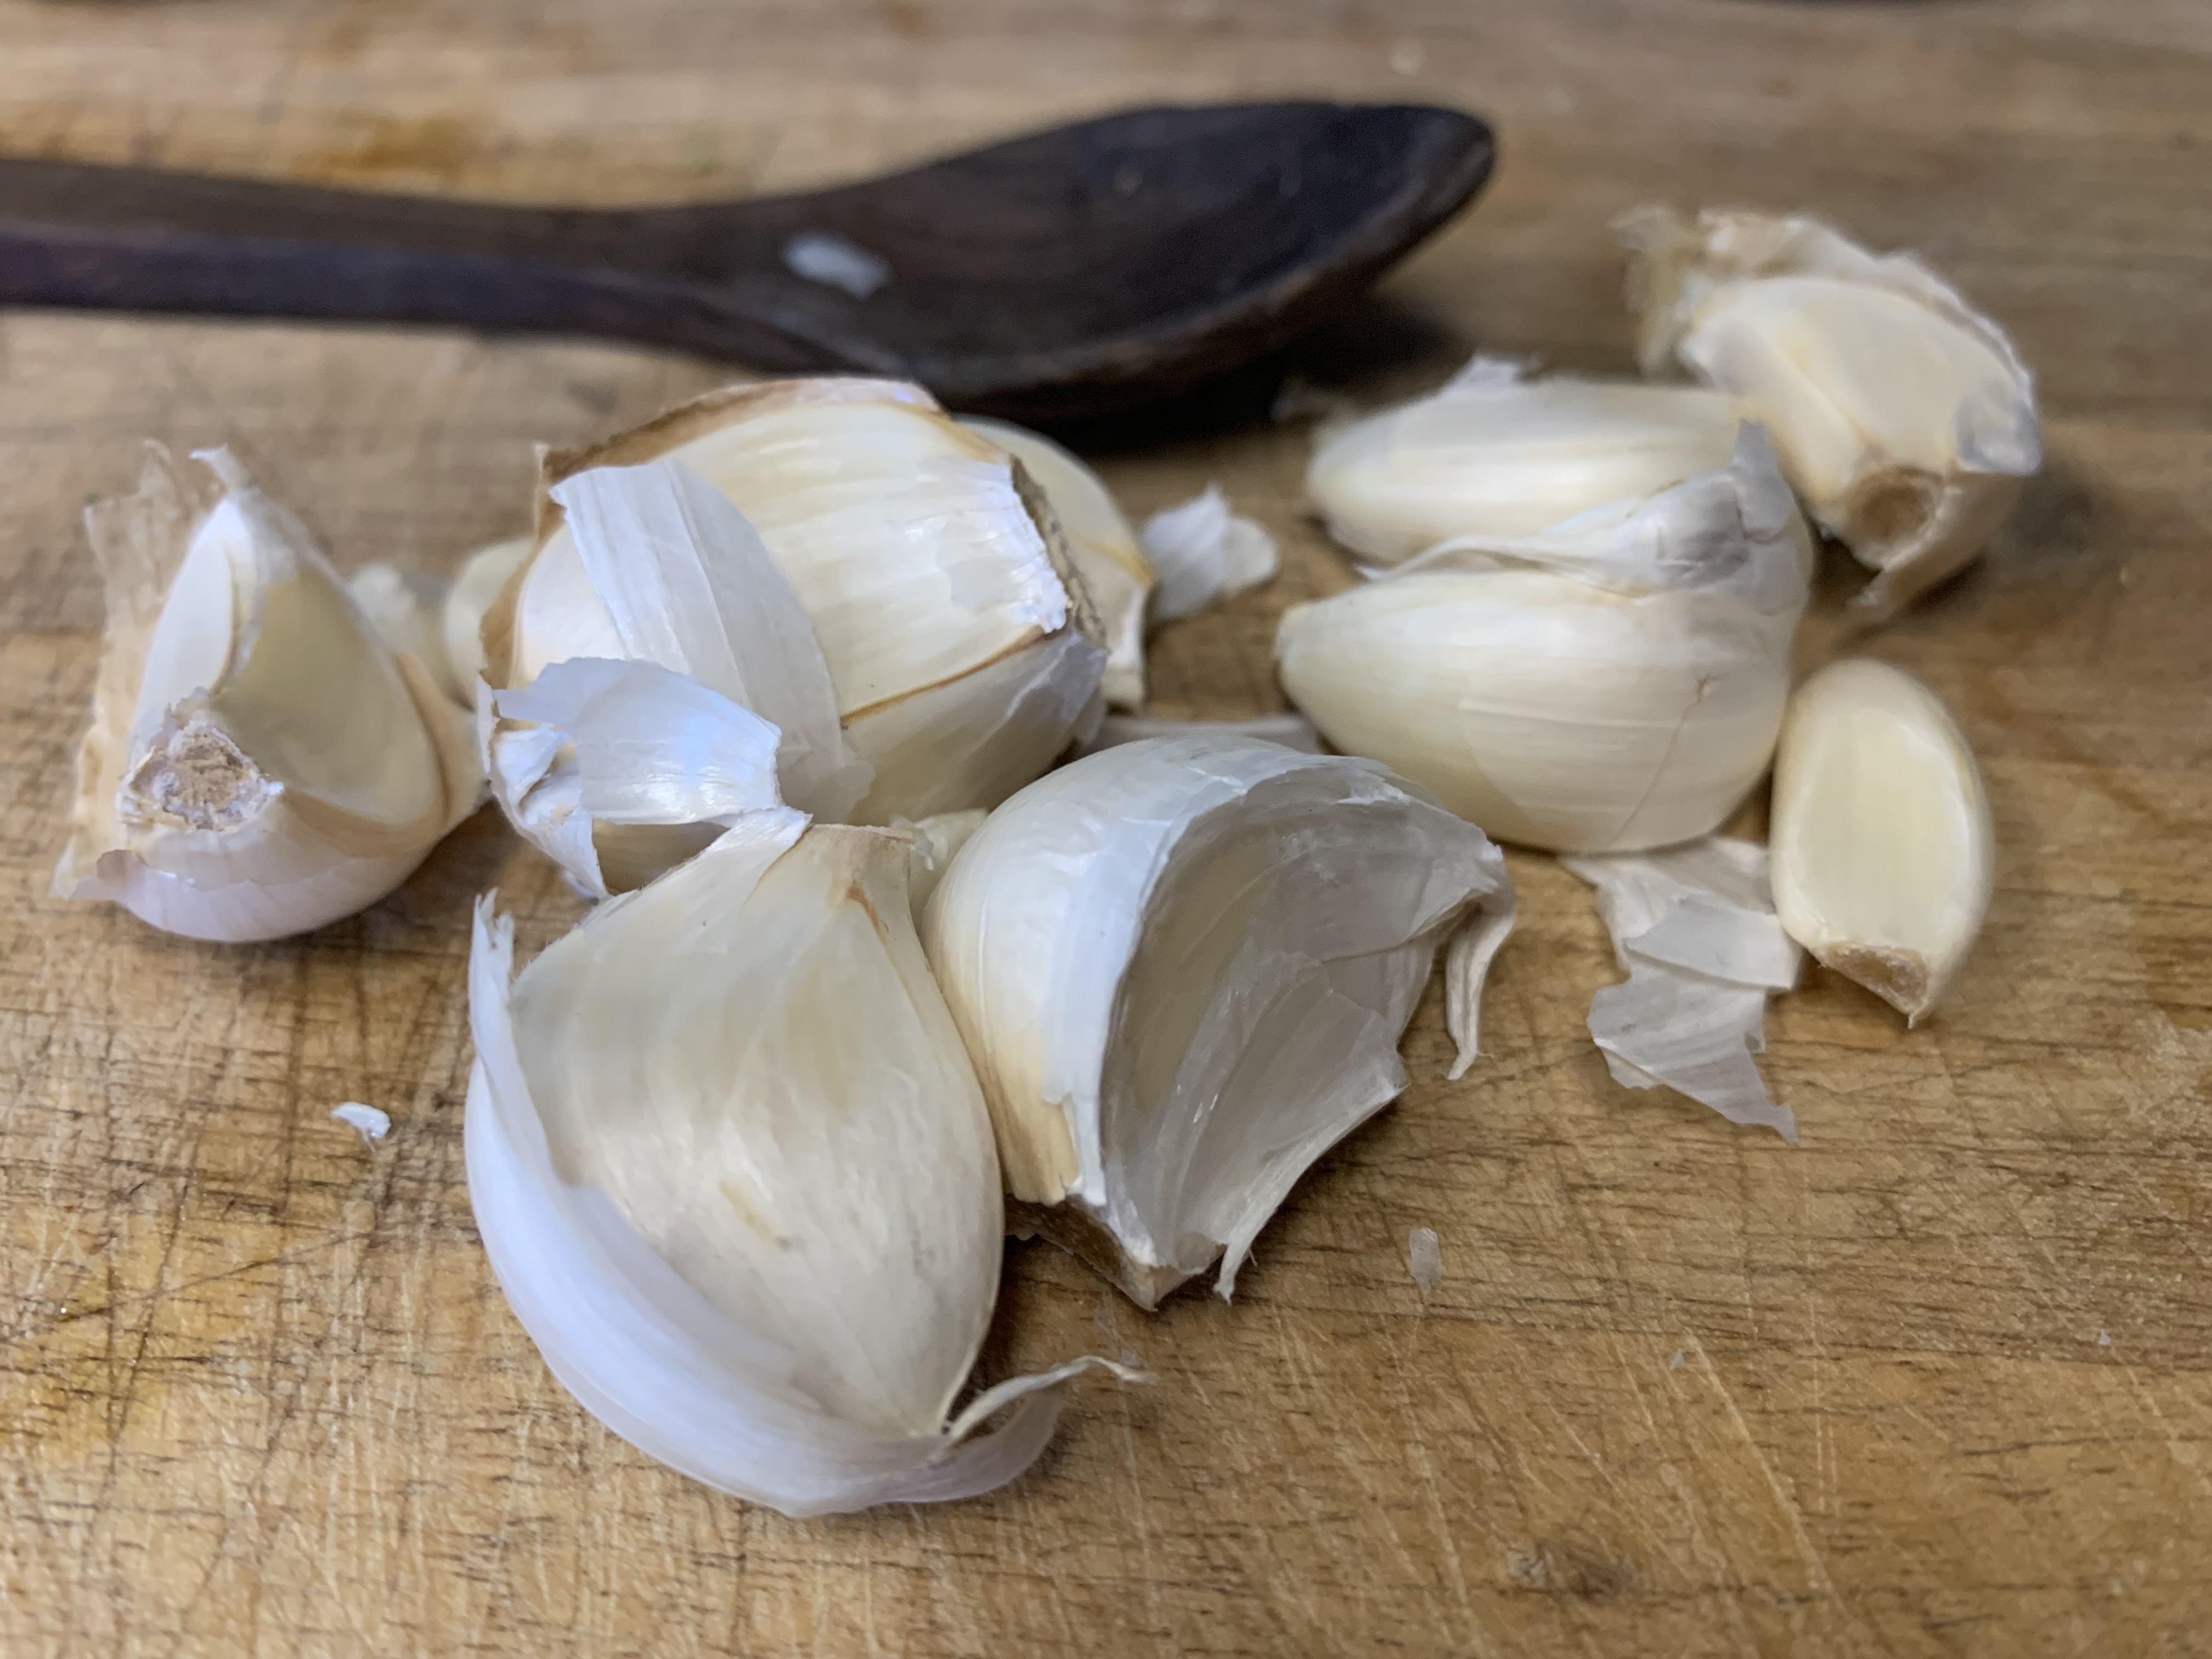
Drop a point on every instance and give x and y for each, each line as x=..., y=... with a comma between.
x=1183, y=966
x=1204, y=553
x=1904, y=418
x=731, y=1168
x=1884, y=852
x=1695, y=928
x=406, y=608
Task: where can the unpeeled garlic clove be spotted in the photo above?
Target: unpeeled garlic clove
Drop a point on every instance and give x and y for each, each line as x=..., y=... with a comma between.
x=483, y=573
x=1204, y=553
x=732, y=1169
x=1182, y=967
x=1903, y=417
x=961, y=642
x=1883, y=847
x=1611, y=684
x=259, y=762
x=1498, y=453
x=1292, y=730
x=1113, y=566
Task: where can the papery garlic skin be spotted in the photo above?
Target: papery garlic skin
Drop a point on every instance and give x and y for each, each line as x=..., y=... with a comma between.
x=1182, y=967
x=1103, y=542
x=259, y=762
x=1204, y=553
x=1905, y=419
x=960, y=640
x=1497, y=453
x=1884, y=850
x=1612, y=684
x=483, y=573
x=732, y=1169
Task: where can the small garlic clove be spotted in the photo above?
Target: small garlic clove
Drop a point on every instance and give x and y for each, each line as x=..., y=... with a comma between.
x=484, y=572
x=406, y=608
x=1205, y=553
x=1884, y=853
x=1497, y=454
x=732, y=1169
x=1182, y=967
x=1105, y=550
x=1613, y=683
x=259, y=762
x=1904, y=418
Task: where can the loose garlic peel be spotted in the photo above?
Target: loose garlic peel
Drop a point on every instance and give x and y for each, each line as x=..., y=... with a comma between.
x=1613, y=683
x=1883, y=846
x=1103, y=545
x=1205, y=553
x=734, y=1174
x=1183, y=966
x=961, y=641
x=259, y=762
x=1903, y=417
x=1497, y=453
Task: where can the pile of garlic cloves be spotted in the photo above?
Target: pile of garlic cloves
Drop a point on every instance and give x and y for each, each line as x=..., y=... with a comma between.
x=912, y=929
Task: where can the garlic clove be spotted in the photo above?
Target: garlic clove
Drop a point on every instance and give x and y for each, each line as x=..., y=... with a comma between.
x=1884, y=853
x=1203, y=554
x=1182, y=967
x=484, y=572
x=923, y=558
x=933, y=843
x=1904, y=418
x=259, y=762
x=406, y=608
x=1104, y=547
x=1496, y=453
x=1613, y=683
x=734, y=1174
x=1292, y=730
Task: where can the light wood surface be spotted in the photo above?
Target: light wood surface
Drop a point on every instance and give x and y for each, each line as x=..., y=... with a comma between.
x=1937, y=1383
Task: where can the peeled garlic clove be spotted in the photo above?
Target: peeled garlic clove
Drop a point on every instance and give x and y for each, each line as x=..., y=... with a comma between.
x=1883, y=848
x=460, y=617
x=1903, y=417
x=733, y=1172
x=962, y=646
x=1495, y=453
x=1613, y=683
x=1104, y=547
x=259, y=762
x=1182, y=967
x=1203, y=554
x=404, y=607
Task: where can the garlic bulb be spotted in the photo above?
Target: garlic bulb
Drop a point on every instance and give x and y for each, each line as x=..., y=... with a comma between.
x=709, y=698
x=1495, y=453
x=406, y=608
x=961, y=642
x=1182, y=967
x=1203, y=554
x=473, y=592
x=1613, y=683
x=1104, y=547
x=1903, y=417
x=733, y=1172
x=1883, y=847
x=259, y=762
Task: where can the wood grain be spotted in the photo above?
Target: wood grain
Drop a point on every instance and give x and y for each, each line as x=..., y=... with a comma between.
x=1937, y=1383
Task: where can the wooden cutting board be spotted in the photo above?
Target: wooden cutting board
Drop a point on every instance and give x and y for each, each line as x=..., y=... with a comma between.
x=1937, y=1381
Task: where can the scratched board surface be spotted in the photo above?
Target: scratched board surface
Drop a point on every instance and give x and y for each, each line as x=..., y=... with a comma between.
x=1937, y=1381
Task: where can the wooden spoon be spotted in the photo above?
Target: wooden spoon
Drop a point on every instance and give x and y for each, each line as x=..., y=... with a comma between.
x=1075, y=271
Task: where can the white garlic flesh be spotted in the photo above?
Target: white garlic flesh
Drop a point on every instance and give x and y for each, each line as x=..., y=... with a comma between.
x=1613, y=683
x=734, y=1174
x=1905, y=419
x=1884, y=850
x=1498, y=453
x=406, y=609
x=1182, y=967
x=1105, y=550
x=259, y=762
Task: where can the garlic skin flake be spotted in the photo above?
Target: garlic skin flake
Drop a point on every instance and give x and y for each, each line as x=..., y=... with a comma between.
x=1904, y=418
x=1113, y=566
x=734, y=1175
x=1694, y=927
x=1182, y=967
x=1496, y=453
x=259, y=762
x=1884, y=851
x=961, y=642
x=1205, y=553
x=1613, y=683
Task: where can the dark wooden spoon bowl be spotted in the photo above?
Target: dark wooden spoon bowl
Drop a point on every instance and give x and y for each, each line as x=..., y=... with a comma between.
x=1071, y=271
